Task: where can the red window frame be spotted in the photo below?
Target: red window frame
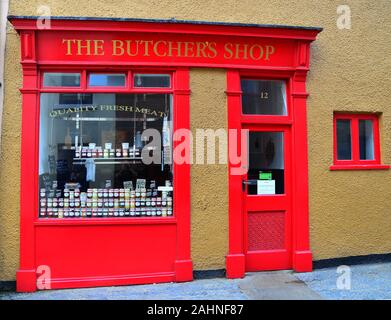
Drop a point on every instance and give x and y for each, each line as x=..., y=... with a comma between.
x=286, y=119
x=65, y=71
x=355, y=163
x=128, y=87
x=32, y=228
x=273, y=118
x=84, y=88
x=132, y=74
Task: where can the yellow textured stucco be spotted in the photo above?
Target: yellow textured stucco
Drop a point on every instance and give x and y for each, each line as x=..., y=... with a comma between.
x=10, y=161
x=209, y=192
x=350, y=71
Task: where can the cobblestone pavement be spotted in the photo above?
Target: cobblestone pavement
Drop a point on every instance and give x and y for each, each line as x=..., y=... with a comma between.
x=371, y=281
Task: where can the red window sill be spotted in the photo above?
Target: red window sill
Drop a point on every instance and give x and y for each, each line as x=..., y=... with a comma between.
x=103, y=221
x=359, y=167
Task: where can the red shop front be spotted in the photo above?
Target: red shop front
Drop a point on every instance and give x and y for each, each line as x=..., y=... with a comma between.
x=94, y=211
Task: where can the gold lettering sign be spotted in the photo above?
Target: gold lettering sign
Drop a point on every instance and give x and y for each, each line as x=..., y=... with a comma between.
x=163, y=48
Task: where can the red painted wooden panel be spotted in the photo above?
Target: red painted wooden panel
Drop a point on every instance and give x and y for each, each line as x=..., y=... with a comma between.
x=269, y=202
x=102, y=251
x=266, y=231
x=55, y=50
x=268, y=260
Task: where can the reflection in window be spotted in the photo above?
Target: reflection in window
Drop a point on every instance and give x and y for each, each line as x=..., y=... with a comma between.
x=266, y=163
x=366, y=140
x=152, y=80
x=265, y=97
x=91, y=157
x=344, y=141
x=106, y=80
x=52, y=79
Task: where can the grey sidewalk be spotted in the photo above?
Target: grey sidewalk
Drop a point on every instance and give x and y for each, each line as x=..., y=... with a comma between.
x=368, y=282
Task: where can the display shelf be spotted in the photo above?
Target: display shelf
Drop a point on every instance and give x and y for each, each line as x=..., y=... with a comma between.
x=105, y=221
x=148, y=119
x=122, y=160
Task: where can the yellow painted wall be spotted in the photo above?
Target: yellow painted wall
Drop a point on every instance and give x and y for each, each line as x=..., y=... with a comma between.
x=10, y=161
x=350, y=212
x=209, y=192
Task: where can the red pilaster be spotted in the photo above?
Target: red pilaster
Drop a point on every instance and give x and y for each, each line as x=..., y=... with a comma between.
x=302, y=256
x=26, y=275
x=183, y=264
x=235, y=260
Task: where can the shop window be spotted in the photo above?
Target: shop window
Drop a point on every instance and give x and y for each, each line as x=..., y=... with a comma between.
x=106, y=80
x=356, y=141
x=151, y=80
x=55, y=79
x=264, y=97
x=92, y=155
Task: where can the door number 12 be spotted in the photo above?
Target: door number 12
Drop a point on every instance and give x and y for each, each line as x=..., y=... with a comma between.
x=264, y=95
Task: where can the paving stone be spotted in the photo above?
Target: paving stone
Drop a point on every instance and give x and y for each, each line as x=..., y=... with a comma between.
x=368, y=282
x=371, y=281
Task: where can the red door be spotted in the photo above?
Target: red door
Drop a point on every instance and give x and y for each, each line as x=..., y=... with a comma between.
x=266, y=198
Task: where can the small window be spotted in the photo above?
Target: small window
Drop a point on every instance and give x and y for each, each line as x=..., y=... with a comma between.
x=344, y=140
x=152, y=80
x=367, y=151
x=356, y=141
x=106, y=80
x=55, y=79
x=264, y=97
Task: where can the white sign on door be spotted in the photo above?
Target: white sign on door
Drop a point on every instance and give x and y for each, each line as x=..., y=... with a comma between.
x=266, y=187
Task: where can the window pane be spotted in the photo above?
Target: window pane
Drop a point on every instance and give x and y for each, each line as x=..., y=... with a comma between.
x=266, y=97
x=61, y=79
x=344, y=141
x=152, y=80
x=366, y=140
x=106, y=80
x=93, y=156
x=266, y=163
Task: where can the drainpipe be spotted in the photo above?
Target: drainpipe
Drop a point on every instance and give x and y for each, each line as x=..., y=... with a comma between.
x=3, y=30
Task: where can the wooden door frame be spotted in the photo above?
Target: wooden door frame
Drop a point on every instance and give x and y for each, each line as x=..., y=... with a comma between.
x=296, y=118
